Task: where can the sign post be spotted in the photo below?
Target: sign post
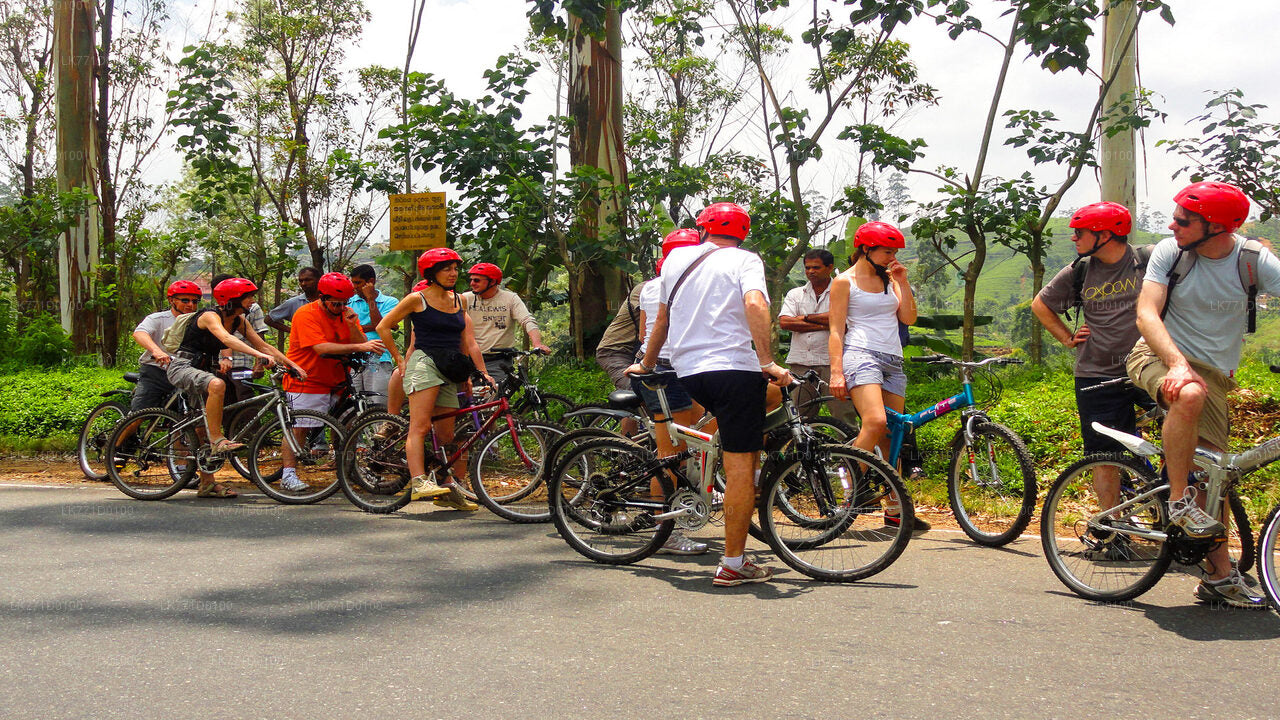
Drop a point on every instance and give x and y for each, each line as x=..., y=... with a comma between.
x=417, y=221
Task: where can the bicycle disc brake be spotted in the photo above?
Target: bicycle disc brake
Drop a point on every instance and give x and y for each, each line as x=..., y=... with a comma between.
x=696, y=511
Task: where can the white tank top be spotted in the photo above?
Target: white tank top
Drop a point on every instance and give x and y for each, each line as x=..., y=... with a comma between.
x=872, y=322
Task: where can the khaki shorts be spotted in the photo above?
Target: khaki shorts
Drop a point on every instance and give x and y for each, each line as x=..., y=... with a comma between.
x=1147, y=371
x=421, y=374
x=187, y=377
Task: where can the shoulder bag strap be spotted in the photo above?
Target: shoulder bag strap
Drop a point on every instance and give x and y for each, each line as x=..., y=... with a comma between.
x=671, y=299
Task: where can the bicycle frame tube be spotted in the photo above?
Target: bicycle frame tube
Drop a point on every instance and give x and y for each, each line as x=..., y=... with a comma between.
x=898, y=422
x=503, y=411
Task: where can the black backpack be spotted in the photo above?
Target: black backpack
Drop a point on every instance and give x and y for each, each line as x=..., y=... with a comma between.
x=1079, y=268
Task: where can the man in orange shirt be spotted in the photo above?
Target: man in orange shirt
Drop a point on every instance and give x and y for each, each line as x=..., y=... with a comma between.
x=324, y=327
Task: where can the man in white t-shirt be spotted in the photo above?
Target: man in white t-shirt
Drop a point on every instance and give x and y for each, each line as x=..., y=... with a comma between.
x=153, y=388
x=495, y=312
x=708, y=321
x=804, y=315
x=1193, y=334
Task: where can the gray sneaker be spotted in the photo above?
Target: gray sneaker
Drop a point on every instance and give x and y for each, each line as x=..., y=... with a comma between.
x=293, y=483
x=1195, y=522
x=678, y=544
x=1231, y=590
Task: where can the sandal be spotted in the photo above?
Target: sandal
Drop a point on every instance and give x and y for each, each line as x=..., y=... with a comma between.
x=225, y=445
x=216, y=490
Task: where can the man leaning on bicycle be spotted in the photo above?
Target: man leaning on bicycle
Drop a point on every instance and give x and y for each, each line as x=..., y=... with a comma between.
x=1193, y=332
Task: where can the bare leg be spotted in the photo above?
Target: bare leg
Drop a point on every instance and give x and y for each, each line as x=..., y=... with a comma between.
x=739, y=499
x=422, y=405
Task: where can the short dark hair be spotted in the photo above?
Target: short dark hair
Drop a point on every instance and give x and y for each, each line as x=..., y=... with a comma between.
x=219, y=278
x=819, y=254
x=364, y=272
x=309, y=269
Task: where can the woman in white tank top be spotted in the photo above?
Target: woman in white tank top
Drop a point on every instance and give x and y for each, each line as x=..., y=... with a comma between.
x=867, y=302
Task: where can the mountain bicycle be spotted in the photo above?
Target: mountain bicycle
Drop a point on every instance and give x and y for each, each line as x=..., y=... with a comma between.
x=1116, y=553
x=505, y=469
x=991, y=482
x=350, y=403
x=819, y=505
x=523, y=394
x=1269, y=557
x=153, y=453
x=99, y=423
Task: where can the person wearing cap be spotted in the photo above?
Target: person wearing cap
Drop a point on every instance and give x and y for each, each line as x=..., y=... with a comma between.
x=495, y=312
x=1192, y=338
x=442, y=340
x=324, y=327
x=153, y=388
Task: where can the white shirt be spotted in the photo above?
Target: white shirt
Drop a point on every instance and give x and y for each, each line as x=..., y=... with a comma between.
x=708, y=322
x=872, y=322
x=807, y=348
x=650, y=299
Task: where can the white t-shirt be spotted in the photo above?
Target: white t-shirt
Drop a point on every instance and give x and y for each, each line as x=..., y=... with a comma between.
x=650, y=299
x=708, y=323
x=154, y=325
x=807, y=348
x=872, y=322
x=1207, y=308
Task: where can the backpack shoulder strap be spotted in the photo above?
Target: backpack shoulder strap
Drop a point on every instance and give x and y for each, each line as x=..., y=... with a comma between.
x=1181, y=266
x=1142, y=256
x=1247, y=266
x=1078, y=270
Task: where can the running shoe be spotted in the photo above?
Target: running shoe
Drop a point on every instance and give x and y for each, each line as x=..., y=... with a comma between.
x=1194, y=521
x=748, y=573
x=455, y=500
x=1231, y=591
x=678, y=544
x=425, y=488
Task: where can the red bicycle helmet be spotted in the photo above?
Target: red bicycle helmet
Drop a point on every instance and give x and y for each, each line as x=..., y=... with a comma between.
x=879, y=234
x=1103, y=216
x=725, y=218
x=232, y=289
x=1216, y=202
x=684, y=237
x=434, y=257
x=184, y=287
x=421, y=285
x=489, y=270
x=336, y=285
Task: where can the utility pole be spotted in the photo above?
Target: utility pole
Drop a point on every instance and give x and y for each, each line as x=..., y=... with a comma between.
x=73, y=49
x=1120, y=56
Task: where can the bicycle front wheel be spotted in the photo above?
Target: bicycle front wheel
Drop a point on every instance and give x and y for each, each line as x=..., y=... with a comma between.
x=823, y=514
x=1269, y=558
x=373, y=472
x=316, y=466
x=992, y=484
x=507, y=471
x=602, y=501
x=1113, y=558
x=151, y=454
x=94, y=435
x=551, y=407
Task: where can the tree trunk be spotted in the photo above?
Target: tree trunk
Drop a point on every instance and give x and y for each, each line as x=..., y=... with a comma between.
x=109, y=317
x=78, y=249
x=595, y=104
x=1037, y=282
x=1120, y=56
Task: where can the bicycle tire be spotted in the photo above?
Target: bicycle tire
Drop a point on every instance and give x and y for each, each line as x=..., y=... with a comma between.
x=317, y=468
x=1269, y=558
x=833, y=429
x=993, y=492
x=1094, y=562
x=237, y=430
x=94, y=434
x=552, y=407
x=507, y=471
x=590, y=501
x=1240, y=535
x=150, y=454
x=844, y=536
x=374, y=474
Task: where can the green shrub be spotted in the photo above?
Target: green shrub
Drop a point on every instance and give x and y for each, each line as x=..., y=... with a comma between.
x=39, y=404
x=43, y=343
x=582, y=381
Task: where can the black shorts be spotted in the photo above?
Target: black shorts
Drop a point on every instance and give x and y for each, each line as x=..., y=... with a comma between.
x=1112, y=407
x=736, y=399
x=153, y=388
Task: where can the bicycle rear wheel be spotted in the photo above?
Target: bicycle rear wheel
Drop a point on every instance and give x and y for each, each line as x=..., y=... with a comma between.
x=1239, y=534
x=373, y=472
x=822, y=514
x=1269, y=558
x=94, y=435
x=151, y=454
x=991, y=485
x=507, y=471
x=602, y=503
x=1088, y=555
x=316, y=466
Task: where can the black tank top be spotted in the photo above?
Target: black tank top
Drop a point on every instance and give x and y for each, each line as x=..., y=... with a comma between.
x=203, y=342
x=435, y=330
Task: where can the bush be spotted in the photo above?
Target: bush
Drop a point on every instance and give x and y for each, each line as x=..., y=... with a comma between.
x=43, y=343
x=38, y=404
x=582, y=381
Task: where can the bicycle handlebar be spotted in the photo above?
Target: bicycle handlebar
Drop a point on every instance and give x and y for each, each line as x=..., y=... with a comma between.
x=946, y=360
x=1113, y=382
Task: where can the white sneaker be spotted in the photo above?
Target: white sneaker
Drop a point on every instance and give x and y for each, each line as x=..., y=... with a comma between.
x=293, y=484
x=425, y=488
x=1194, y=521
x=678, y=544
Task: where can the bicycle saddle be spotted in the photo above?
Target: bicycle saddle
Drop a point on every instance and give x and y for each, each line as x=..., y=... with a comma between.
x=623, y=400
x=131, y=377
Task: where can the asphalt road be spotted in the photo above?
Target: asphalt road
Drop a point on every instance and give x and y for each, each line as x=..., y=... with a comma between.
x=115, y=608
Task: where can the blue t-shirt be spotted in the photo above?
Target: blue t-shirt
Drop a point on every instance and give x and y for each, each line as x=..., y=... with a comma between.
x=385, y=303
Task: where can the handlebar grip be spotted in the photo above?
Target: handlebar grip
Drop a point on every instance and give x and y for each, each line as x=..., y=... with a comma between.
x=928, y=358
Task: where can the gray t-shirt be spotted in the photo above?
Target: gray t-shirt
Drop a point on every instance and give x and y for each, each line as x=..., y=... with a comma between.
x=1110, y=296
x=285, y=310
x=154, y=325
x=1208, y=308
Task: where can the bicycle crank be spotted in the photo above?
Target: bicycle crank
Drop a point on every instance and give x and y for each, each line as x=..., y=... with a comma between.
x=689, y=511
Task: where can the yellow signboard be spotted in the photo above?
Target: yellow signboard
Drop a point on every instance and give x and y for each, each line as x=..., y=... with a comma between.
x=417, y=221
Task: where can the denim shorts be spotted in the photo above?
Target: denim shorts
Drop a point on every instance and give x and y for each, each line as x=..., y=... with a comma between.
x=871, y=367
x=677, y=397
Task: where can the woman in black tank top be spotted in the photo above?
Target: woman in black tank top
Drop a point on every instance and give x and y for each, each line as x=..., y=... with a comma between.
x=441, y=328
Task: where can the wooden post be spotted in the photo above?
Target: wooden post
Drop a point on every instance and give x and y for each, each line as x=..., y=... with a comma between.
x=1118, y=153
x=73, y=44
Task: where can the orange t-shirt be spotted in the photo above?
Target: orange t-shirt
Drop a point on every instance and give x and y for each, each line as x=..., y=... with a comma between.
x=312, y=325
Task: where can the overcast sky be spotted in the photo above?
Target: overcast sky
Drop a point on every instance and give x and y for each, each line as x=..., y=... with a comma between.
x=1213, y=46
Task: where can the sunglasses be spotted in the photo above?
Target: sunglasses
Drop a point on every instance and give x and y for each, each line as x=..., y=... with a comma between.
x=1182, y=222
x=193, y=301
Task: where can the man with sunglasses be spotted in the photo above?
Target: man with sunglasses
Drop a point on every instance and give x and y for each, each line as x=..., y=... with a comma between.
x=1192, y=338
x=495, y=312
x=153, y=387
x=1105, y=293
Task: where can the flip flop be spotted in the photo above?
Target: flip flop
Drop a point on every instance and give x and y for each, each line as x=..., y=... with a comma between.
x=216, y=490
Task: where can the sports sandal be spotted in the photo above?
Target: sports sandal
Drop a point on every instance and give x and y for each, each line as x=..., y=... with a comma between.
x=225, y=445
x=216, y=490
